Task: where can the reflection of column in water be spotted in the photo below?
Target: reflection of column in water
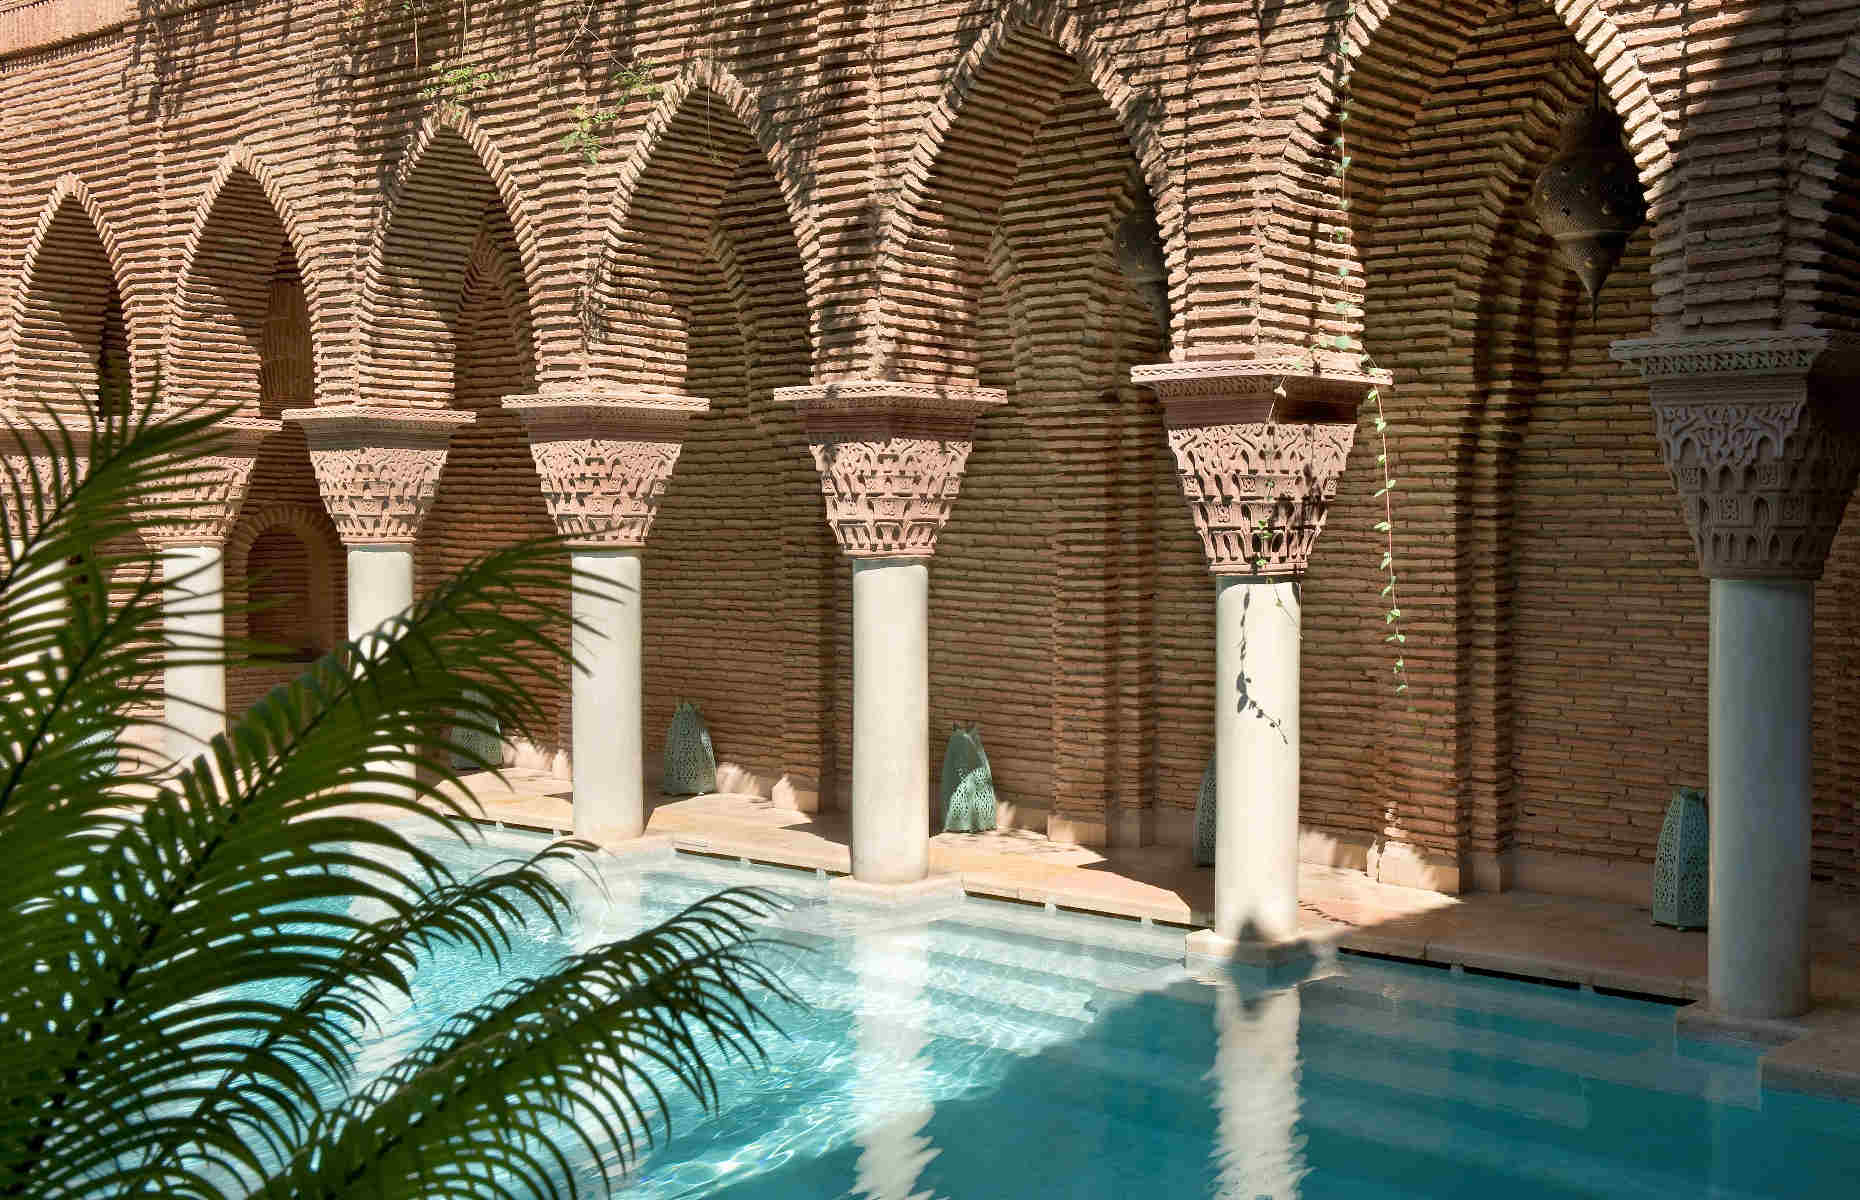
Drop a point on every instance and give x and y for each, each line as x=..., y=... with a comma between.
x=892, y=1093
x=1258, y=1151
x=604, y=901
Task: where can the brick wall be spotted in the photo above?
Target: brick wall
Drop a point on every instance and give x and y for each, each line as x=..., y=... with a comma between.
x=821, y=191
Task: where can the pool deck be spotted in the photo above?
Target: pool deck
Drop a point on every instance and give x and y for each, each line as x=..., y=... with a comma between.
x=1592, y=943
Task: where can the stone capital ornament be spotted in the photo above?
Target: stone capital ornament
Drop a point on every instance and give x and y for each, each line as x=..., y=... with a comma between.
x=1259, y=446
x=1754, y=432
x=377, y=466
x=33, y=446
x=604, y=459
x=201, y=511
x=890, y=457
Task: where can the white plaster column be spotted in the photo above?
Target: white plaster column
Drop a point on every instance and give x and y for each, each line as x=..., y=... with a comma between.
x=1256, y=754
x=604, y=460
x=380, y=586
x=891, y=720
x=1761, y=794
x=1764, y=475
x=607, y=695
x=1259, y=448
x=378, y=468
x=194, y=630
x=890, y=457
x=188, y=525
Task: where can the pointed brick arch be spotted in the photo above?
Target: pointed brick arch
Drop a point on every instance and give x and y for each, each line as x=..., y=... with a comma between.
x=244, y=241
x=705, y=144
x=1824, y=227
x=704, y=127
x=934, y=251
x=451, y=186
x=68, y=318
x=1312, y=262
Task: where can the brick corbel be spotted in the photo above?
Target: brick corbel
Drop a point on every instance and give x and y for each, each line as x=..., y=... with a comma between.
x=202, y=512
x=377, y=466
x=890, y=458
x=604, y=459
x=1760, y=445
x=1259, y=446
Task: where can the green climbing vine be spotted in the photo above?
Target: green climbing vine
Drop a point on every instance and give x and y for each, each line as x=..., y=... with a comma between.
x=1339, y=53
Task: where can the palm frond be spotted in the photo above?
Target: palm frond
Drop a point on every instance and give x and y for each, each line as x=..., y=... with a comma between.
x=193, y=950
x=569, y=1056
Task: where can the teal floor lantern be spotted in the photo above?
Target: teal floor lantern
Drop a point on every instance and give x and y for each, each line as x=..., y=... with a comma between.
x=1682, y=864
x=968, y=785
x=690, y=762
x=478, y=743
x=1204, y=818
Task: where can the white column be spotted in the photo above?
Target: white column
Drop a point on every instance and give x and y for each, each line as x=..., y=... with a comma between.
x=193, y=627
x=1761, y=791
x=1256, y=758
x=606, y=695
x=891, y=720
x=380, y=588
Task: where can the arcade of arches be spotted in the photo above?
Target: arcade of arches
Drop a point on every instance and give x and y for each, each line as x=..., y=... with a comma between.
x=1003, y=362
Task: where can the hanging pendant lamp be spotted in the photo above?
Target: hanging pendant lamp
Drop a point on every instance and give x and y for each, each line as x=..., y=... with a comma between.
x=1588, y=197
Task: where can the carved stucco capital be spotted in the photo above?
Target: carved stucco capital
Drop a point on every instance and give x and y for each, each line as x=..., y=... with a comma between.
x=890, y=457
x=1259, y=447
x=605, y=458
x=1762, y=455
x=202, y=511
x=32, y=445
x=377, y=466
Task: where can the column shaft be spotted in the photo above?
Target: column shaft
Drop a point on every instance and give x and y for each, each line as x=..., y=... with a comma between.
x=1761, y=794
x=193, y=627
x=891, y=720
x=607, y=695
x=1256, y=758
x=380, y=588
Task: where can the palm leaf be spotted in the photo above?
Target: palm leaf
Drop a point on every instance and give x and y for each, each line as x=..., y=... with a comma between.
x=157, y=914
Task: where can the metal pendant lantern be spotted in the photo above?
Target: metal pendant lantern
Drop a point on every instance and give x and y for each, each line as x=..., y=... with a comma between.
x=1589, y=197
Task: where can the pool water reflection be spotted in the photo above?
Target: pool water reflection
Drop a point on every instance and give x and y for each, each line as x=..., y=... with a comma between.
x=987, y=1050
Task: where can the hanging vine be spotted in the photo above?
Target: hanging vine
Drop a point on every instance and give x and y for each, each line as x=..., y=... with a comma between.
x=1339, y=53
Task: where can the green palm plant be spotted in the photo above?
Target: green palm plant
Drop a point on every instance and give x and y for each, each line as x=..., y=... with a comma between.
x=155, y=911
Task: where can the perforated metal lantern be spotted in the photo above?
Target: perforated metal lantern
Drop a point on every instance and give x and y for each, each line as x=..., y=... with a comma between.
x=1589, y=198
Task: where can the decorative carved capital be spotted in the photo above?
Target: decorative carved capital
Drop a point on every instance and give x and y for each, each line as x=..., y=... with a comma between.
x=1260, y=491
x=1748, y=430
x=890, y=498
x=1259, y=446
x=33, y=445
x=377, y=466
x=604, y=459
x=890, y=457
x=206, y=506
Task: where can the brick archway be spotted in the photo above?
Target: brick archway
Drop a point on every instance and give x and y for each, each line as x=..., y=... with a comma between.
x=68, y=333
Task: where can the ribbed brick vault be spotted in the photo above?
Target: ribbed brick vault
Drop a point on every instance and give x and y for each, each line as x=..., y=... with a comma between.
x=265, y=204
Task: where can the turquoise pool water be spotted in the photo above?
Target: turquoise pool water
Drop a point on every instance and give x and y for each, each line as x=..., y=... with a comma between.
x=995, y=1051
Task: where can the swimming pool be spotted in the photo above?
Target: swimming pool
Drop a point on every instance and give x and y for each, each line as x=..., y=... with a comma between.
x=986, y=1050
